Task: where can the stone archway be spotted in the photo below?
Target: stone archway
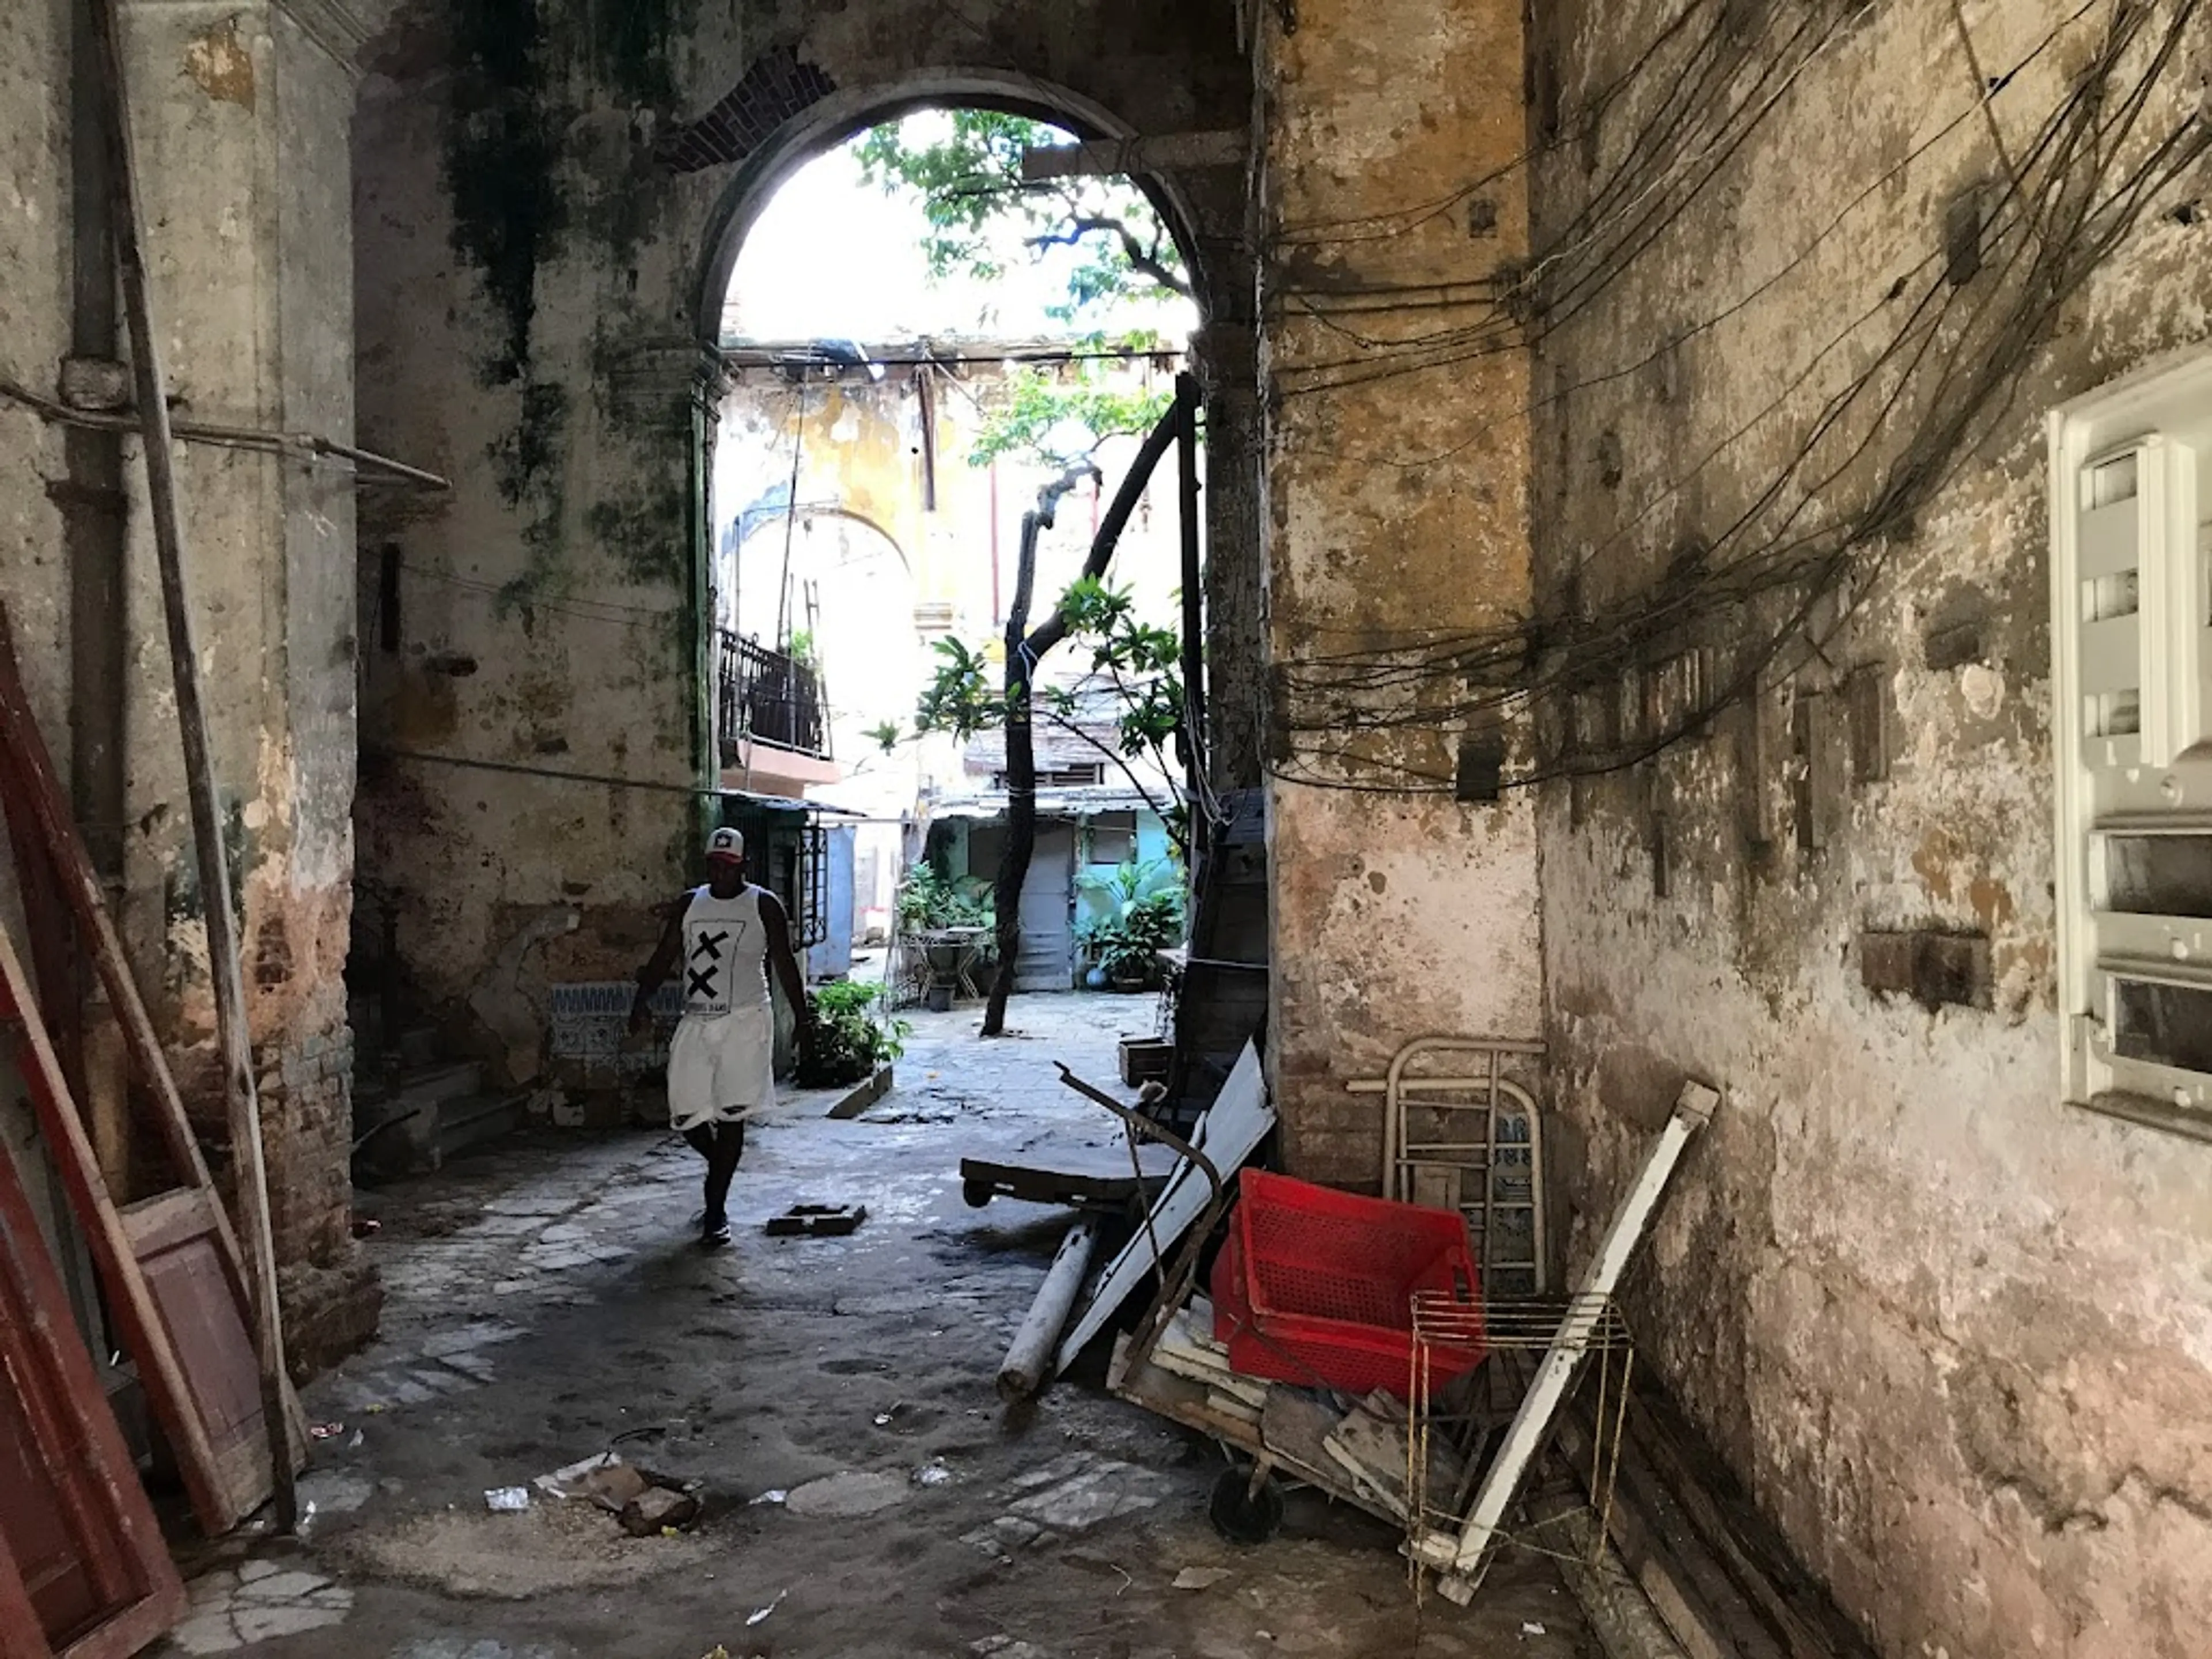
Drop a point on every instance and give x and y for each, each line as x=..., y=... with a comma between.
x=541, y=232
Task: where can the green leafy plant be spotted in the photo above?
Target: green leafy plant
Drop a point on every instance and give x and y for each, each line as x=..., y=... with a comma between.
x=851, y=1037
x=928, y=901
x=964, y=167
x=1139, y=662
x=1058, y=418
x=1144, y=916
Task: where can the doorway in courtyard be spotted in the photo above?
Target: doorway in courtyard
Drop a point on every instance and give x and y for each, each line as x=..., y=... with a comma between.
x=956, y=435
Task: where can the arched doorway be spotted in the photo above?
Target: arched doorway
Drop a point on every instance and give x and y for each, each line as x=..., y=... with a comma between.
x=940, y=397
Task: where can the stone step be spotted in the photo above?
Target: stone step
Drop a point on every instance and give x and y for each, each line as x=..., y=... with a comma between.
x=477, y=1120
x=424, y=1133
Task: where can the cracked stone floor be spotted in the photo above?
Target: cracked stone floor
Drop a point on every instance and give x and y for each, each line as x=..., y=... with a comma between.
x=865, y=1492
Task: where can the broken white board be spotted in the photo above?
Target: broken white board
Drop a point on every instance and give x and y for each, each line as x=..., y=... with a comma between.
x=1229, y=1132
x=1464, y=1560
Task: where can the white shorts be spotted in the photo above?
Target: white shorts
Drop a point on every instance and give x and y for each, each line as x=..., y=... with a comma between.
x=721, y=1068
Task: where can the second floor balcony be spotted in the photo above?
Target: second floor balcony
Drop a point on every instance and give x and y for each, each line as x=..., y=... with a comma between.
x=765, y=697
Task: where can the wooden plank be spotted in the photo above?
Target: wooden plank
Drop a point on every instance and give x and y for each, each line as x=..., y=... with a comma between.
x=85, y=1563
x=225, y=971
x=21, y=1637
x=162, y=1223
x=30, y=787
x=1231, y=1130
x=32, y=792
x=220, y=1503
x=1649, y=1552
x=1808, y=1620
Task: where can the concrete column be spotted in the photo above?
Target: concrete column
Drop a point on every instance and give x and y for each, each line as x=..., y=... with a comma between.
x=242, y=112
x=1395, y=490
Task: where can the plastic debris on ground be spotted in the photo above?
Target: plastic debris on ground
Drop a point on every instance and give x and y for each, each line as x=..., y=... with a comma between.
x=931, y=1474
x=776, y=1496
x=1199, y=1578
x=759, y=1613
x=508, y=1500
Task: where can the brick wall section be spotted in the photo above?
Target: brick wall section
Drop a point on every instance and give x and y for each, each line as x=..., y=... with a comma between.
x=330, y=1290
x=775, y=88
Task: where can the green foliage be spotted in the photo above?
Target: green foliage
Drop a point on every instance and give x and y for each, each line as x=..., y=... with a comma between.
x=1141, y=661
x=928, y=901
x=1144, y=915
x=959, y=697
x=886, y=735
x=964, y=167
x=1059, y=420
x=850, y=1038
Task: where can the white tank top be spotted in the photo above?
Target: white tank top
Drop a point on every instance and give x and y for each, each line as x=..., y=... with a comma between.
x=724, y=953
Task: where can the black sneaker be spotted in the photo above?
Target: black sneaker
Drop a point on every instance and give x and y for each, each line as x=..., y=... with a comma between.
x=714, y=1234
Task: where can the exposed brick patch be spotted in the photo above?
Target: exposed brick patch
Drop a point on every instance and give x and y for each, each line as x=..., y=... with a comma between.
x=777, y=88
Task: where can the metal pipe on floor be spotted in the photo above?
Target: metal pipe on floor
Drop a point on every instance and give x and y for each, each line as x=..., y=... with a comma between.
x=1029, y=1360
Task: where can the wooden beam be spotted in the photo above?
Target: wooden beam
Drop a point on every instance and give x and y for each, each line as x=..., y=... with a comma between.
x=1114, y=158
x=223, y=965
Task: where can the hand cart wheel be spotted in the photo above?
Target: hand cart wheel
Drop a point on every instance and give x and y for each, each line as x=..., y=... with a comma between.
x=1247, y=1506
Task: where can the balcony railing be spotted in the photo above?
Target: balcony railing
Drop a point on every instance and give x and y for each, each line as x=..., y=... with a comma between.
x=769, y=697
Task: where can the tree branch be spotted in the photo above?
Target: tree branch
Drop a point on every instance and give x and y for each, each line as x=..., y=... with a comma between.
x=1054, y=629
x=1136, y=783
x=1145, y=263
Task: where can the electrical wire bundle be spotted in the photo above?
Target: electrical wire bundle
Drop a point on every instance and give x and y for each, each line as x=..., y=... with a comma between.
x=1867, y=459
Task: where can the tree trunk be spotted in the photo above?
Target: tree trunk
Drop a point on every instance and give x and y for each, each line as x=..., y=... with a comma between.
x=1024, y=651
x=1021, y=775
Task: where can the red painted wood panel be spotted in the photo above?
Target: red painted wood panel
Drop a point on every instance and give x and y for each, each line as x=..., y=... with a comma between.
x=78, y=1541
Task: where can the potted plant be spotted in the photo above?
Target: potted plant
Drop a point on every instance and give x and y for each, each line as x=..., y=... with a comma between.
x=1143, y=916
x=949, y=920
x=851, y=1039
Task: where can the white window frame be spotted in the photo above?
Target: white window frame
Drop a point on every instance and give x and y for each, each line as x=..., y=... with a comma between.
x=2156, y=779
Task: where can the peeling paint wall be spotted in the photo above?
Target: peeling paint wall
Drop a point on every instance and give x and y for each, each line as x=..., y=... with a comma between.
x=1950, y=1329
x=1396, y=515
x=532, y=253
x=240, y=115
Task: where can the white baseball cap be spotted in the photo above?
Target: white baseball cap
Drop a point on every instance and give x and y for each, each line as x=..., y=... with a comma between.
x=726, y=844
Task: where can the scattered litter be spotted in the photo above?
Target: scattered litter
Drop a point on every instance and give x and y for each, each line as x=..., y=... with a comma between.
x=659, y=1509
x=759, y=1613
x=355, y=1444
x=818, y=1220
x=1199, y=1578
x=777, y=1496
x=1531, y=1629
x=719, y=1653
x=364, y=1227
x=325, y=1431
x=508, y=1500
x=605, y=1480
x=932, y=1474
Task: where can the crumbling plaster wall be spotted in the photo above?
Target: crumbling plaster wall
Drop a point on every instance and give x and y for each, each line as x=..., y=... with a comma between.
x=533, y=232
x=1396, y=515
x=240, y=116
x=1950, y=1329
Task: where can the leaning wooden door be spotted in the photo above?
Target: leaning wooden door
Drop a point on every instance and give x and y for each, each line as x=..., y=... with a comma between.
x=83, y=1572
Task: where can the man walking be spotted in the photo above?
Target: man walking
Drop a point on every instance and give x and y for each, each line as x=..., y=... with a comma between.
x=721, y=1062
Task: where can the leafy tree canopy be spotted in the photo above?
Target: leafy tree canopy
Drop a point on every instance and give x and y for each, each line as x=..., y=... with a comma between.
x=966, y=167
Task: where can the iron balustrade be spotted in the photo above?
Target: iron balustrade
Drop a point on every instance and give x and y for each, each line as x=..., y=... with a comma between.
x=770, y=696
